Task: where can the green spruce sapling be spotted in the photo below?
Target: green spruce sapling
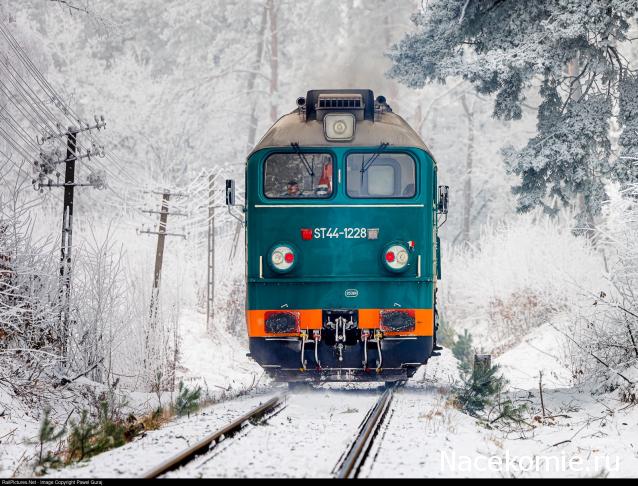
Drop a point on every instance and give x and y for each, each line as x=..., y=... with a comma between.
x=187, y=400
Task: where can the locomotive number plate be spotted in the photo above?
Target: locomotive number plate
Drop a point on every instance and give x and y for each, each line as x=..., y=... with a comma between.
x=348, y=233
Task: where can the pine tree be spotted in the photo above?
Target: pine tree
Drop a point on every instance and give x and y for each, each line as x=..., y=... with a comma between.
x=82, y=438
x=463, y=350
x=112, y=432
x=46, y=434
x=187, y=400
x=504, y=46
x=479, y=389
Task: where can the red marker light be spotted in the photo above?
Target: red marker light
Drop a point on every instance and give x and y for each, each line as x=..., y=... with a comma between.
x=306, y=234
x=389, y=257
x=289, y=257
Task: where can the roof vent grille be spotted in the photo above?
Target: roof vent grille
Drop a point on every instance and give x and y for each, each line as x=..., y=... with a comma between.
x=351, y=102
x=359, y=102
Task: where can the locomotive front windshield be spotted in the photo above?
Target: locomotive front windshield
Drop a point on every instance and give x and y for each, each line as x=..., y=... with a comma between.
x=384, y=175
x=293, y=175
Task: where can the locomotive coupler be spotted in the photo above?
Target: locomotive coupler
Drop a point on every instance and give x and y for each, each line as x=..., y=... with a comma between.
x=340, y=323
x=340, y=335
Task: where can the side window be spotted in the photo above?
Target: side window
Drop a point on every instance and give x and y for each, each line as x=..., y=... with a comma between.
x=292, y=175
x=380, y=176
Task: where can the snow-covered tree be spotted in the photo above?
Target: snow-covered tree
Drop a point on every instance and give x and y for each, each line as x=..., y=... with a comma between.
x=573, y=50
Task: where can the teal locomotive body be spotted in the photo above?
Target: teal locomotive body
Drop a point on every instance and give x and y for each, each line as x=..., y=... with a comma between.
x=341, y=242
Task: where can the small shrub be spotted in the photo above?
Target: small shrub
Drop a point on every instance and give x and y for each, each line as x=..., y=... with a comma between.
x=187, y=400
x=508, y=413
x=155, y=419
x=628, y=394
x=47, y=434
x=82, y=438
x=463, y=350
x=480, y=387
x=514, y=315
x=88, y=438
x=111, y=432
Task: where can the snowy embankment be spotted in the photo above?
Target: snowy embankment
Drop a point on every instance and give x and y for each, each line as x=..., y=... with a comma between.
x=218, y=364
x=582, y=433
x=151, y=449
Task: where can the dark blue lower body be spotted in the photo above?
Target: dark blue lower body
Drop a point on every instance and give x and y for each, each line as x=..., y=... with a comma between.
x=398, y=359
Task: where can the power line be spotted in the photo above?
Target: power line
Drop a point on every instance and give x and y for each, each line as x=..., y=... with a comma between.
x=67, y=111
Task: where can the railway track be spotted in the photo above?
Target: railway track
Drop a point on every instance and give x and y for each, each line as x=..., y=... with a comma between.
x=205, y=444
x=348, y=466
x=351, y=462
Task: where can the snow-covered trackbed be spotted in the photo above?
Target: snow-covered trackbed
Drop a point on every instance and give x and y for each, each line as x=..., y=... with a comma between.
x=201, y=447
x=318, y=433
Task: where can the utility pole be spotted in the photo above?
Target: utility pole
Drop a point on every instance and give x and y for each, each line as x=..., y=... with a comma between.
x=159, y=253
x=210, y=297
x=161, y=240
x=45, y=168
x=67, y=235
x=159, y=260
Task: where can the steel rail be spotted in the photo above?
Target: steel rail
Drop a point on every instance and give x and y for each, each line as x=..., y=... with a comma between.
x=351, y=462
x=203, y=445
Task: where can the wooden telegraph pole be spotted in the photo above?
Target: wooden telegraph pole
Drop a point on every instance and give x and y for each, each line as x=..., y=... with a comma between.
x=161, y=241
x=159, y=253
x=67, y=235
x=159, y=260
x=45, y=169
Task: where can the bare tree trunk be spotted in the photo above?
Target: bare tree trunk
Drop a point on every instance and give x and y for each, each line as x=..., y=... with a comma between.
x=467, y=185
x=274, y=58
x=573, y=70
x=576, y=92
x=252, y=78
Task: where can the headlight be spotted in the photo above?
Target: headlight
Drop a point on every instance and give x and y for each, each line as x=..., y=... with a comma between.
x=396, y=257
x=338, y=126
x=394, y=320
x=278, y=322
x=282, y=257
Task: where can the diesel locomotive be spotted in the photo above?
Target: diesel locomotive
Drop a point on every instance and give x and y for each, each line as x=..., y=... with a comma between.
x=341, y=213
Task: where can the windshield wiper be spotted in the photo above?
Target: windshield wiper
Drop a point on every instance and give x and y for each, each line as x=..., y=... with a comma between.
x=375, y=155
x=309, y=168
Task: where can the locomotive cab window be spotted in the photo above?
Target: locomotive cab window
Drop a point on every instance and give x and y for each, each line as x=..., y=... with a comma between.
x=384, y=175
x=298, y=176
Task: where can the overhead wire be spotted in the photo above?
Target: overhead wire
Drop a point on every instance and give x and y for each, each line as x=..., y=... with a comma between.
x=66, y=110
x=42, y=118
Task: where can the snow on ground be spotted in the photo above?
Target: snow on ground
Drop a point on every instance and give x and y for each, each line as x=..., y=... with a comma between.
x=18, y=427
x=542, y=352
x=425, y=437
x=306, y=439
x=142, y=454
x=583, y=435
x=218, y=364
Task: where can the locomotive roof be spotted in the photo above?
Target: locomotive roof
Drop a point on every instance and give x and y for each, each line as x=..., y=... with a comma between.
x=386, y=127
